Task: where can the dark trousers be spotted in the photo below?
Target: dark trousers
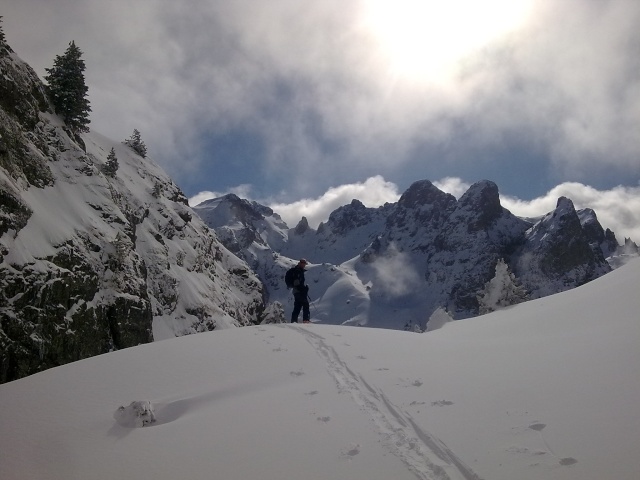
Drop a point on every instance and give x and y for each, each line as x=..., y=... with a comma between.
x=300, y=302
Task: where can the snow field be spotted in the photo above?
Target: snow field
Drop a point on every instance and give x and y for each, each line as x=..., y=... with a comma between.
x=544, y=390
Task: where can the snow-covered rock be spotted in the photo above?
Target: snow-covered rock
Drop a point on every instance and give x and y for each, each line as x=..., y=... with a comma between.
x=140, y=413
x=558, y=252
x=92, y=260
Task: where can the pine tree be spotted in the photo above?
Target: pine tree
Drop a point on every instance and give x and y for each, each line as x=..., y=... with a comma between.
x=501, y=291
x=111, y=167
x=67, y=89
x=136, y=144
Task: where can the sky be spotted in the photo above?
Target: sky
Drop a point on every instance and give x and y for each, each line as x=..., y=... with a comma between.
x=543, y=390
x=289, y=102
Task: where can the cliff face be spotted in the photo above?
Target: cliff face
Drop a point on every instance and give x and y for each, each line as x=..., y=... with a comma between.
x=561, y=251
x=93, y=260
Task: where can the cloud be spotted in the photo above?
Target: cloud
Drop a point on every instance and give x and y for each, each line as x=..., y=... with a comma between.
x=373, y=192
x=242, y=191
x=312, y=82
x=453, y=185
x=396, y=275
x=569, y=81
x=617, y=209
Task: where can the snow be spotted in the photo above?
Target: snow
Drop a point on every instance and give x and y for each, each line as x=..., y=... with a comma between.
x=547, y=389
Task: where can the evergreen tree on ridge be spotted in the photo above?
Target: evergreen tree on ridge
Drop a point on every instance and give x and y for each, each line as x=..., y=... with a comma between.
x=136, y=144
x=67, y=89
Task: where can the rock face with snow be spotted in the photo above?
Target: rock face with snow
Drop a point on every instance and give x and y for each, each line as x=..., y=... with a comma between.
x=560, y=251
x=395, y=265
x=93, y=260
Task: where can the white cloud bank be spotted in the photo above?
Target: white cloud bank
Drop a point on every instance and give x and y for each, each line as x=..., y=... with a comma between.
x=373, y=192
x=617, y=209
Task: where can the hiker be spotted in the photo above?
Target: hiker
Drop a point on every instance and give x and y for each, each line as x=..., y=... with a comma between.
x=295, y=281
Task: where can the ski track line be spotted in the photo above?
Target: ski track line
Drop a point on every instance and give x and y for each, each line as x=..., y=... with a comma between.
x=425, y=455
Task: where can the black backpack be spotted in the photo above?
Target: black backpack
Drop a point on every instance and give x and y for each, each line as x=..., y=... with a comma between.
x=289, y=277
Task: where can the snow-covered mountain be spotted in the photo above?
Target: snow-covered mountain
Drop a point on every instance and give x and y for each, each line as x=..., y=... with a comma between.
x=94, y=258
x=544, y=390
x=394, y=266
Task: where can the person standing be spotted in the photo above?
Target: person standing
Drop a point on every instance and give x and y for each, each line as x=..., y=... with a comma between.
x=300, y=292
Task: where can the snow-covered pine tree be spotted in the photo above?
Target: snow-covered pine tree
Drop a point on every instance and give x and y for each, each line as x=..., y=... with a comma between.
x=67, y=89
x=501, y=291
x=136, y=144
x=111, y=167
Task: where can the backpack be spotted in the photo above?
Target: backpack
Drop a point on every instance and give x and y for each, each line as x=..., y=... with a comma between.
x=289, y=277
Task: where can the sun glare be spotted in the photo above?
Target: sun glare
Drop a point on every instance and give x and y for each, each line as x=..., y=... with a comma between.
x=425, y=40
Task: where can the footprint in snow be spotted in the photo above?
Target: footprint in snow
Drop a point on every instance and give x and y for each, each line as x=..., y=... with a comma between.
x=566, y=461
x=441, y=403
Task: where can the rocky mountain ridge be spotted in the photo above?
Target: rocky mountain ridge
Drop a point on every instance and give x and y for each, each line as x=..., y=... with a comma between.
x=94, y=259
x=399, y=263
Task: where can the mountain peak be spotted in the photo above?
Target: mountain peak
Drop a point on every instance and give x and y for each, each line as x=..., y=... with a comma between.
x=482, y=202
x=561, y=249
x=422, y=192
x=564, y=206
x=302, y=226
x=482, y=195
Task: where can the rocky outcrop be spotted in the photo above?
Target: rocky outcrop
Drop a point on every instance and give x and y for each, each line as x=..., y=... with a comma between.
x=560, y=253
x=348, y=217
x=419, y=215
x=598, y=238
x=467, y=247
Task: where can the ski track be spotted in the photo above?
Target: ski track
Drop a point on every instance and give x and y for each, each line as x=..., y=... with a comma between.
x=424, y=455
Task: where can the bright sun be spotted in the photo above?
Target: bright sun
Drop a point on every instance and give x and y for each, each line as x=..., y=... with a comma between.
x=426, y=39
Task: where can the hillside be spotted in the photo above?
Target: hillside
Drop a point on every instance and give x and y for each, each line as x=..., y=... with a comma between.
x=92, y=258
x=545, y=390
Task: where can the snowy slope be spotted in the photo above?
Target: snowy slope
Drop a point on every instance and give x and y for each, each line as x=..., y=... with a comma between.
x=546, y=390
